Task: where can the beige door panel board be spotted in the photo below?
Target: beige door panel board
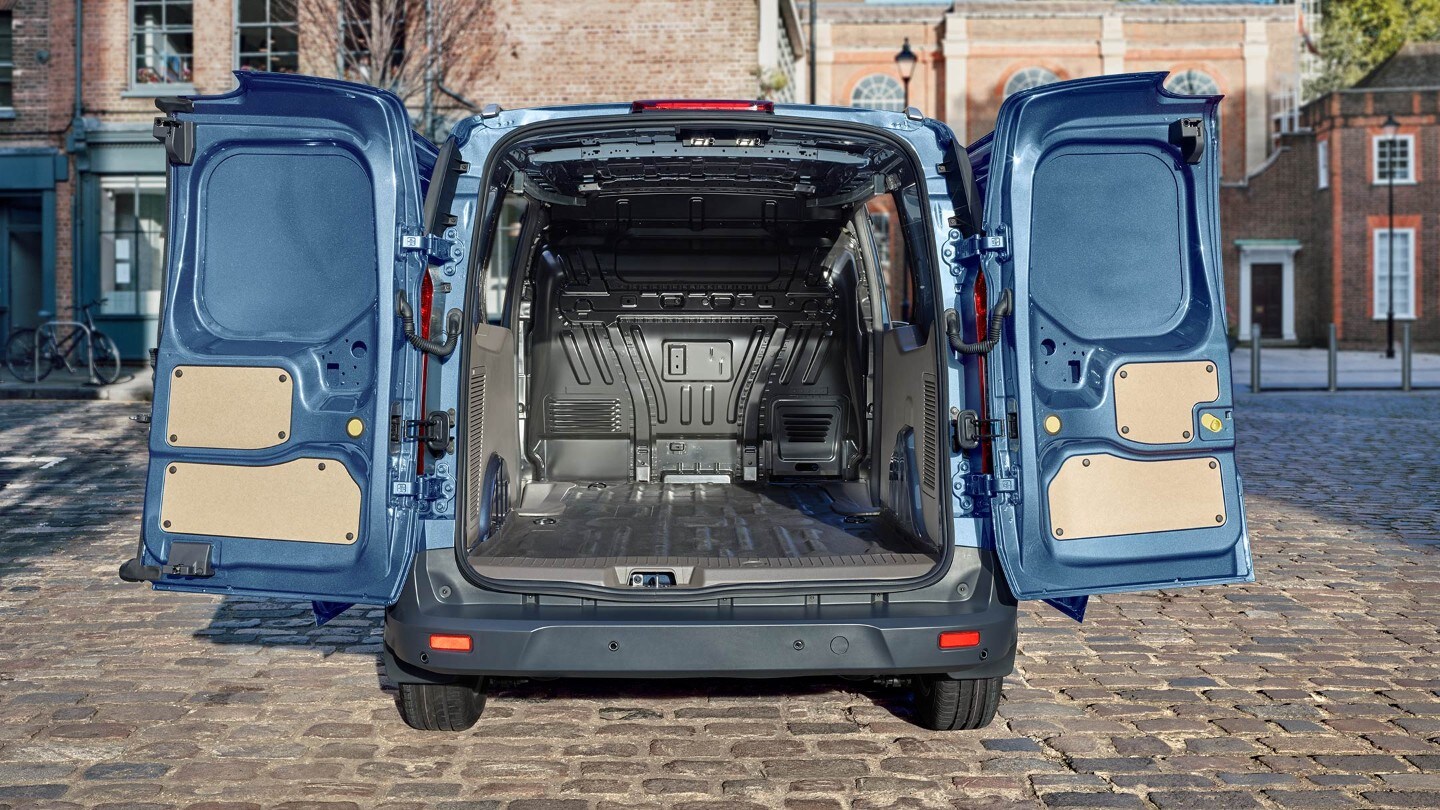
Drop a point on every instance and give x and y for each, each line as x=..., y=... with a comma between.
x=229, y=407
x=1101, y=495
x=309, y=500
x=1155, y=402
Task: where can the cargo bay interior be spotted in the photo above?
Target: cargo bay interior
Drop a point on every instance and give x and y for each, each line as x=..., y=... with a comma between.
x=707, y=357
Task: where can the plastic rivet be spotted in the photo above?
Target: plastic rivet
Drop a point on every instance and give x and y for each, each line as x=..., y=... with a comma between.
x=173, y=438
x=172, y=470
x=1059, y=532
x=166, y=524
x=1085, y=462
x=1209, y=369
x=179, y=373
x=1186, y=434
x=1219, y=518
x=349, y=535
x=1212, y=465
x=282, y=434
x=1124, y=374
x=322, y=465
x=1124, y=429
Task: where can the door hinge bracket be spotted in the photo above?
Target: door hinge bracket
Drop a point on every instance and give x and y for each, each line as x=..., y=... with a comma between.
x=996, y=242
x=436, y=248
x=424, y=488
x=178, y=137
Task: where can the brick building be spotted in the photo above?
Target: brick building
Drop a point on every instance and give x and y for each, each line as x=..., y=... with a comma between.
x=974, y=53
x=1308, y=234
x=90, y=175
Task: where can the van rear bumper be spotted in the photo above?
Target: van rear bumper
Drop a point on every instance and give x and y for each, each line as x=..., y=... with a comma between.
x=661, y=641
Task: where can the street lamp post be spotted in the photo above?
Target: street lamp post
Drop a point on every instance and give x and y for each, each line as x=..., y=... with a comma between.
x=1391, y=128
x=905, y=63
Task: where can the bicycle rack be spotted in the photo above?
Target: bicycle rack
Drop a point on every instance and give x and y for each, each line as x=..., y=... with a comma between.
x=49, y=326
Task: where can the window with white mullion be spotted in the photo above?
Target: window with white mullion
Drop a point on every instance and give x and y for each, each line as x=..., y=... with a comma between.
x=1404, y=269
x=1393, y=156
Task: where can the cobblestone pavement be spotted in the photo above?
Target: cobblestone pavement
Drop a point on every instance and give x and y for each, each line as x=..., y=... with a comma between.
x=1318, y=686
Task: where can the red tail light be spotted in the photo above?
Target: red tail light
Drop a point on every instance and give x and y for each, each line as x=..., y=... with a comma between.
x=712, y=104
x=451, y=642
x=959, y=639
x=427, y=295
x=982, y=324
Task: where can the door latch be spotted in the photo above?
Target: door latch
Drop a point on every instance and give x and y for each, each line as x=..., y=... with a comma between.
x=433, y=431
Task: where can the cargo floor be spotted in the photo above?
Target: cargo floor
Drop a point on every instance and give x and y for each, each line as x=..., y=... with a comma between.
x=563, y=525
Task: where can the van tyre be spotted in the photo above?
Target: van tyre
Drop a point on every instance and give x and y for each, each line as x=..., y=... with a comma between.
x=943, y=703
x=442, y=706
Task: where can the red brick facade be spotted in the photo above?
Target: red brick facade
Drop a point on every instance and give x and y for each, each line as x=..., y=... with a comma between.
x=1335, y=226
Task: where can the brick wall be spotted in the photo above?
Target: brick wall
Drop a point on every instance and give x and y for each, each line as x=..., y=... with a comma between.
x=44, y=96
x=620, y=50
x=1335, y=266
x=1282, y=201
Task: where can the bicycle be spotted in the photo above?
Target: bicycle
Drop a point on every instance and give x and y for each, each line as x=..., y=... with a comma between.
x=31, y=354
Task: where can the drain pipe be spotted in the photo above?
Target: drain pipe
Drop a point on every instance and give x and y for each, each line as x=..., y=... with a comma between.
x=75, y=145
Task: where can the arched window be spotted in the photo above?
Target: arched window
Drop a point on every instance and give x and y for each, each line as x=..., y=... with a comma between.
x=879, y=92
x=1192, y=83
x=1028, y=78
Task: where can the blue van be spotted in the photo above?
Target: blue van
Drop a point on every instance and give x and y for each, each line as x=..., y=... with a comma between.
x=692, y=388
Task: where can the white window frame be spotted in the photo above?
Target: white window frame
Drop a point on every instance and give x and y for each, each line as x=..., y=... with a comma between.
x=1409, y=140
x=1028, y=77
x=1380, y=294
x=866, y=93
x=1322, y=158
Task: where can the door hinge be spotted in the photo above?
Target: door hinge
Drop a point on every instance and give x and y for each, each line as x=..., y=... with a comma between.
x=424, y=488
x=434, y=247
x=996, y=242
x=433, y=430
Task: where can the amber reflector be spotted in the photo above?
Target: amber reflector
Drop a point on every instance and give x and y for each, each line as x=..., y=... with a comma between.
x=449, y=643
x=959, y=639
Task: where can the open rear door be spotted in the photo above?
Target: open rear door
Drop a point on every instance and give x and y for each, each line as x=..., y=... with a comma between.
x=279, y=368
x=1120, y=461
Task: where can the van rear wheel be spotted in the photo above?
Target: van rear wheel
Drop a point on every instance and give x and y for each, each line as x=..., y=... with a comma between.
x=943, y=703
x=442, y=706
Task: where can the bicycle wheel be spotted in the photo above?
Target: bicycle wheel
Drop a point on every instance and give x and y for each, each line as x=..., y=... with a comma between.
x=20, y=356
x=107, y=357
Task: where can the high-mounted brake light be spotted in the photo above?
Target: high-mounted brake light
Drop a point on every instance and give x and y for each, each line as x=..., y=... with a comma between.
x=959, y=639
x=450, y=642
x=696, y=105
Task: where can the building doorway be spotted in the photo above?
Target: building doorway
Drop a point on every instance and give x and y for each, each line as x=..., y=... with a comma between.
x=22, y=277
x=1267, y=287
x=1267, y=299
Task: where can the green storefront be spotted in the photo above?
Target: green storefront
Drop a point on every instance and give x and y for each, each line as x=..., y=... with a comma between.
x=28, y=176
x=122, y=240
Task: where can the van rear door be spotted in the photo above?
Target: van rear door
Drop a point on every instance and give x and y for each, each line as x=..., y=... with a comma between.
x=1119, y=471
x=279, y=366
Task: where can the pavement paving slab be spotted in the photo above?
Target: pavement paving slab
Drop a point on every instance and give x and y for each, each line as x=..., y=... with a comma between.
x=1316, y=686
